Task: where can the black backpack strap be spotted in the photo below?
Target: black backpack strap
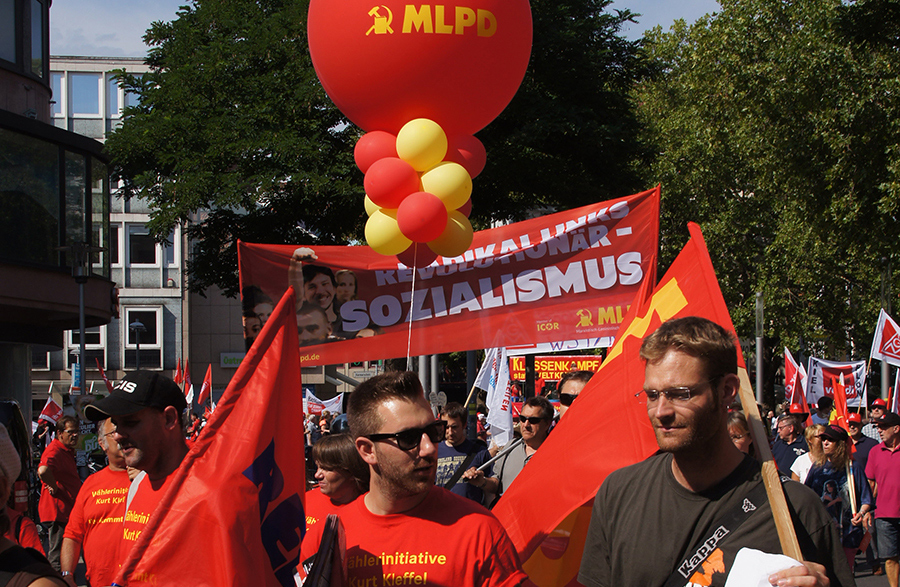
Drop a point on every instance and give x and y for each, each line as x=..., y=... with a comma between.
x=17, y=559
x=697, y=554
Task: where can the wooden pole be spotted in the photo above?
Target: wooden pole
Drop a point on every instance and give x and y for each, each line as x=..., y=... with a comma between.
x=783, y=523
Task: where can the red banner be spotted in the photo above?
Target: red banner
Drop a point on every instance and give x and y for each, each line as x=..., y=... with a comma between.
x=564, y=276
x=552, y=368
x=608, y=424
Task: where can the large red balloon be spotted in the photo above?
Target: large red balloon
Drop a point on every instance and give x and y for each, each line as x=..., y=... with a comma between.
x=388, y=181
x=417, y=255
x=456, y=63
x=422, y=217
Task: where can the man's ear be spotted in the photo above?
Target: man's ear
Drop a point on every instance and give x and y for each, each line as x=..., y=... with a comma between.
x=366, y=450
x=172, y=417
x=731, y=385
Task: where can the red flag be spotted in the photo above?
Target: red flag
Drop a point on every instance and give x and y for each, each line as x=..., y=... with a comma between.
x=179, y=378
x=188, y=386
x=51, y=412
x=234, y=514
x=608, y=424
x=840, y=402
x=109, y=386
x=206, y=388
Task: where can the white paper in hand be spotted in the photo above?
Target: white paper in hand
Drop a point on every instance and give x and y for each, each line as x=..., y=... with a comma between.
x=752, y=568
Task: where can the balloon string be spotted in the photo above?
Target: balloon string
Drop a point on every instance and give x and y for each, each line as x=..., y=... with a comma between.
x=412, y=304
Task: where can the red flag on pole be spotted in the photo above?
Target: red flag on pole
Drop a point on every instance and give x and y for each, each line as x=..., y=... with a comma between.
x=51, y=412
x=840, y=402
x=109, y=386
x=234, y=514
x=206, y=388
x=608, y=424
x=188, y=386
x=179, y=378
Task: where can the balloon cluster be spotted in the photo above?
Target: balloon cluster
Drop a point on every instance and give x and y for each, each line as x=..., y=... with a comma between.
x=418, y=189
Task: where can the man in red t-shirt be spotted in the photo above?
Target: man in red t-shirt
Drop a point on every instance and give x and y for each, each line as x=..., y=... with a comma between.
x=406, y=531
x=60, y=484
x=145, y=409
x=96, y=520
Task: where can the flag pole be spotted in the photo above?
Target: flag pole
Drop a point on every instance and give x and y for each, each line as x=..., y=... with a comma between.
x=783, y=523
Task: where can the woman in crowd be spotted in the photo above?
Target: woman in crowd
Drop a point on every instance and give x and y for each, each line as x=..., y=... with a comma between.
x=740, y=433
x=804, y=462
x=342, y=475
x=843, y=487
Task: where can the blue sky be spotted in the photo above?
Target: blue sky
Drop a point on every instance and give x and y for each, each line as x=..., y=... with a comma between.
x=114, y=28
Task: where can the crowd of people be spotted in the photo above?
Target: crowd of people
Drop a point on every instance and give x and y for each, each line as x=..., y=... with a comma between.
x=413, y=490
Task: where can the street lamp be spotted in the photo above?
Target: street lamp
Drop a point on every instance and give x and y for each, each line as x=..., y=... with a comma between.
x=81, y=271
x=137, y=328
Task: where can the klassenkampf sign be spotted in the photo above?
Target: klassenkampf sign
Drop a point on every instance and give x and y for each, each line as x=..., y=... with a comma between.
x=568, y=275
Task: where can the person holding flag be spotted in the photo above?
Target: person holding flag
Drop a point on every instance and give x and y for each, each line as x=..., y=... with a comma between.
x=145, y=408
x=699, y=493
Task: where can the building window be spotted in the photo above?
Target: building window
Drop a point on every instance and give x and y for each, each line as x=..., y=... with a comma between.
x=112, y=97
x=150, y=338
x=56, y=83
x=141, y=246
x=84, y=95
x=114, y=258
x=170, y=250
x=94, y=347
x=8, y=30
x=132, y=99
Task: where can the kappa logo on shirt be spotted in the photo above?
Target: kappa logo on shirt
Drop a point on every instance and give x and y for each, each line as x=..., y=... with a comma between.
x=747, y=506
x=712, y=568
x=704, y=553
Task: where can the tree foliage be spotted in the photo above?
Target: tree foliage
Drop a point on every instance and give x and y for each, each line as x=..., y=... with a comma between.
x=233, y=122
x=776, y=128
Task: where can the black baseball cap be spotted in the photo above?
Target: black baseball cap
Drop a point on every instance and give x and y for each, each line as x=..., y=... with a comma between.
x=888, y=420
x=835, y=433
x=136, y=391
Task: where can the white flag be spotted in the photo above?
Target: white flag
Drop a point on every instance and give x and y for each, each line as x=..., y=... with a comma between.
x=886, y=345
x=895, y=404
x=494, y=379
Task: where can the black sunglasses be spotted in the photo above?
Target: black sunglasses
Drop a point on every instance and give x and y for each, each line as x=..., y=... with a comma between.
x=535, y=420
x=412, y=437
x=566, y=399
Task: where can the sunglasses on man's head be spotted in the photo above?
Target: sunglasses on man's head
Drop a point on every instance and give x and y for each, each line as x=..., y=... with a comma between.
x=534, y=420
x=412, y=437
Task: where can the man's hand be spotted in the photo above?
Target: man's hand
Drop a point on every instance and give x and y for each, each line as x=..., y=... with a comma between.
x=474, y=476
x=809, y=575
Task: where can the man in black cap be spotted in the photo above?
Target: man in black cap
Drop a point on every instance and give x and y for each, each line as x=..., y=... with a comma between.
x=146, y=409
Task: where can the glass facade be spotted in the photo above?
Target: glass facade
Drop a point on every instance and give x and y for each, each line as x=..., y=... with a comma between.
x=38, y=59
x=8, y=35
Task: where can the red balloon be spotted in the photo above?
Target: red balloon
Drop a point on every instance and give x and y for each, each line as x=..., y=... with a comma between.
x=466, y=208
x=384, y=65
x=373, y=146
x=422, y=217
x=389, y=180
x=417, y=255
x=468, y=152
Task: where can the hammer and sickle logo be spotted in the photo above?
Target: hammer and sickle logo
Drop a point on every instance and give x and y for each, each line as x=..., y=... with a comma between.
x=380, y=24
x=585, y=318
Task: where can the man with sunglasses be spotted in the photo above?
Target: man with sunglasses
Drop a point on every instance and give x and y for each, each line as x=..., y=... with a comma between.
x=406, y=531
x=60, y=484
x=570, y=385
x=680, y=517
x=534, y=424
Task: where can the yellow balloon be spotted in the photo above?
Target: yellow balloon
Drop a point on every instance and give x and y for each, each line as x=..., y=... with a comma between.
x=371, y=207
x=455, y=239
x=422, y=143
x=450, y=182
x=383, y=233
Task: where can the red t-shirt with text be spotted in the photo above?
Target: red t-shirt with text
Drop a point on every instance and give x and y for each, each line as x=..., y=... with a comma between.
x=138, y=513
x=61, y=461
x=96, y=522
x=445, y=540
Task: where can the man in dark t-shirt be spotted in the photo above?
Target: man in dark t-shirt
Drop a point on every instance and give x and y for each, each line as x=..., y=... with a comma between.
x=679, y=502
x=454, y=453
x=789, y=444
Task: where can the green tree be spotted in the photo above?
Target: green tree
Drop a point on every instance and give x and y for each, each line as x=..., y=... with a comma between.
x=233, y=121
x=776, y=127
